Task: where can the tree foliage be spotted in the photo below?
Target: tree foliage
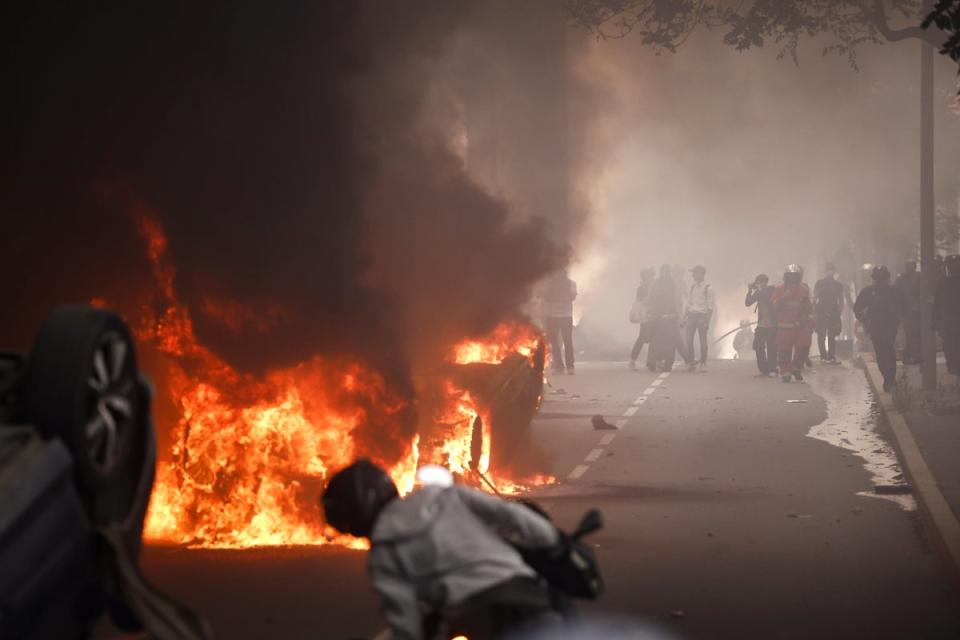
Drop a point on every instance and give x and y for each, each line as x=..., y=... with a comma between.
x=666, y=24
x=946, y=17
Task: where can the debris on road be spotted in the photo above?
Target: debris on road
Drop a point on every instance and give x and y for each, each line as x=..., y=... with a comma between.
x=678, y=614
x=797, y=401
x=600, y=424
x=799, y=515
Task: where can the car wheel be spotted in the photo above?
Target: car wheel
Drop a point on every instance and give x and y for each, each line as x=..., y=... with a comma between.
x=81, y=385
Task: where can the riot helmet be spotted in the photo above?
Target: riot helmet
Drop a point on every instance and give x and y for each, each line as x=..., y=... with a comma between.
x=793, y=274
x=880, y=274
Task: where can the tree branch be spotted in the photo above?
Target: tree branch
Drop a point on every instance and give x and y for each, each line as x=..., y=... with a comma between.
x=879, y=19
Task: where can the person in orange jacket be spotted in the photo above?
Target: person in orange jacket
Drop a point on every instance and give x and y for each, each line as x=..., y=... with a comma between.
x=795, y=322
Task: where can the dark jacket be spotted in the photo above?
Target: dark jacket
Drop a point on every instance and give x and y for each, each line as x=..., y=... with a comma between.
x=828, y=298
x=946, y=305
x=664, y=299
x=909, y=284
x=880, y=307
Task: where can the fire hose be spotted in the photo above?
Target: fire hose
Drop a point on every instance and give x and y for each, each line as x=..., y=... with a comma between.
x=732, y=331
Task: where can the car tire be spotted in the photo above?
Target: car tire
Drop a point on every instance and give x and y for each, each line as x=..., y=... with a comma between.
x=81, y=384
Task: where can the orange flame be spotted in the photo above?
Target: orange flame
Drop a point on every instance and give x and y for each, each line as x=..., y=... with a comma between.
x=507, y=338
x=251, y=455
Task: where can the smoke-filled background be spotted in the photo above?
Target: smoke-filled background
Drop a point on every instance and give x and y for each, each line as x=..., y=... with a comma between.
x=381, y=178
x=745, y=163
x=296, y=156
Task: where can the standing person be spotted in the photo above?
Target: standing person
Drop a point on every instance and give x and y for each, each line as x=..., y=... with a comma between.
x=909, y=286
x=560, y=293
x=946, y=313
x=794, y=311
x=765, y=338
x=828, y=298
x=880, y=308
x=640, y=308
x=699, y=310
x=664, y=314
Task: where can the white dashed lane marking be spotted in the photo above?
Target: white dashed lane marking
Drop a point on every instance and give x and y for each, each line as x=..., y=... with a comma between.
x=620, y=423
x=578, y=471
x=593, y=455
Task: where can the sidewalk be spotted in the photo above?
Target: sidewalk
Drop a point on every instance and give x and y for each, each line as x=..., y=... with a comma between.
x=927, y=432
x=935, y=425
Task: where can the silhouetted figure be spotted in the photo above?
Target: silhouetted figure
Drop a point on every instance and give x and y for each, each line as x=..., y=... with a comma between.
x=700, y=305
x=640, y=314
x=664, y=312
x=946, y=313
x=880, y=308
x=828, y=301
x=909, y=284
x=794, y=311
x=560, y=293
x=765, y=337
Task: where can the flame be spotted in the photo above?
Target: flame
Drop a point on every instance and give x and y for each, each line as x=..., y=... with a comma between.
x=252, y=454
x=507, y=338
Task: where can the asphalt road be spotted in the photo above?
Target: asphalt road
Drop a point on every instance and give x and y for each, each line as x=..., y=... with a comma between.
x=731, y=512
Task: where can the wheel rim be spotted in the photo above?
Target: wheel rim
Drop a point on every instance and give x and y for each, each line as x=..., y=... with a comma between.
x=111, y=403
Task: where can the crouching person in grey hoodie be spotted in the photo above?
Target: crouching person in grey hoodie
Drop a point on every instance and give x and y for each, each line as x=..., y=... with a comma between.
x=443, y=556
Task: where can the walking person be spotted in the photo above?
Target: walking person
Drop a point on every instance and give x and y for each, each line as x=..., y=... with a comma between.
x=664, y=314
x=880, y=307
x=828, y=298
x=765, y=337
x=560, y=293
x=910, y=287
x=946, y=313
x=794, y=311
x=699, y=311
x=639, y=315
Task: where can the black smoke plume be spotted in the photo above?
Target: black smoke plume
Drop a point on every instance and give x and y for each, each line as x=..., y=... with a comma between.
x=281, y=148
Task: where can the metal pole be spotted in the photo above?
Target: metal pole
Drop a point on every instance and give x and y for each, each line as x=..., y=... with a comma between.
x=928, y=367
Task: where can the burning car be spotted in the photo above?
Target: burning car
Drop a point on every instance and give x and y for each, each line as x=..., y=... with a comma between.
x=250, y=453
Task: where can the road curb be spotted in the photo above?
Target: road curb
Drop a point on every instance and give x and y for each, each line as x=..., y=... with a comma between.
x=932, y=504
